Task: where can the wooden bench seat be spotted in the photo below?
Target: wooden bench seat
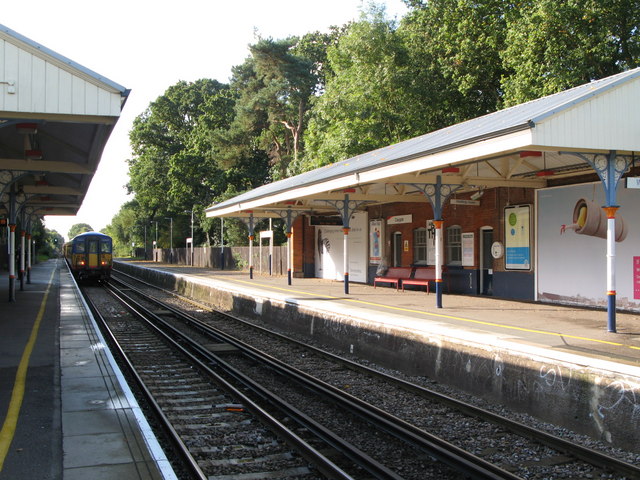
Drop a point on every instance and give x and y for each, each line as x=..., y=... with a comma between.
x=422, y=276
x=394, y=276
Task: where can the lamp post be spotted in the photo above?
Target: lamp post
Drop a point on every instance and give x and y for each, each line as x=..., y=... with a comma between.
x=187, y=211
x=155, y=243
x=221, y=243
x=170, y=238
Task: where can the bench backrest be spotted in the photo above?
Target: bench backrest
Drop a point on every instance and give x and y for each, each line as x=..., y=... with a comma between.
x=425, y=273
x=400, y=272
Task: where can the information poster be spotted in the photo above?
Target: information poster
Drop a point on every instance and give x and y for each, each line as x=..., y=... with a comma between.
x=375, y=241
x=468, y=249
x=517, y=232
x=636, y=278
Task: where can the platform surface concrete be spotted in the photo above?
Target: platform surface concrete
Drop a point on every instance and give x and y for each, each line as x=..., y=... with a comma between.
x=556, y=363
x=556, y=328
x=67, y=412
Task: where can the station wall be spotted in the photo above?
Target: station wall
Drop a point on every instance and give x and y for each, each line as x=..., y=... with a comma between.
x=400, y=222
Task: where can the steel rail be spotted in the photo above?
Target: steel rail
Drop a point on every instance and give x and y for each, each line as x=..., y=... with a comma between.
x=324, y=465
x=449, y=454
x=174, y=437
x=588, y=455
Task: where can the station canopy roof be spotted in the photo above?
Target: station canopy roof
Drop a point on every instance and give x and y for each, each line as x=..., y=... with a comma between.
x=530, y=145
x=55, y=119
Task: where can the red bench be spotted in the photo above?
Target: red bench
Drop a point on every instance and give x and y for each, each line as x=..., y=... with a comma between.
x=422, y=276
x=395, y=276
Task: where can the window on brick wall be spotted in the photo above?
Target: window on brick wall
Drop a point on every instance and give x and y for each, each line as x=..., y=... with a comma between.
x=454, y=245
x=420, y=246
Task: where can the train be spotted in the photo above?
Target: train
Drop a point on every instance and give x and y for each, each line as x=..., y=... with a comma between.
x=89, y=256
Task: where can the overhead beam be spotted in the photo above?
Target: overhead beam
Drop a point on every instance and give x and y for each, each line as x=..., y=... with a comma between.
x=57, y=211
x=376, y=198
x=51, y=190
x=44, y=166
x=470, y=180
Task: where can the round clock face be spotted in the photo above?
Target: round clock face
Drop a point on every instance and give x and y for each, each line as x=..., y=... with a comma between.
x=496, y=250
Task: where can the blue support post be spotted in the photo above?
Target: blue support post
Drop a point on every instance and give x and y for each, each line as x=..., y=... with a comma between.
x=251, y=226
x=610, y=169
x=346, y=208
x=12, y=245
x=437, y=194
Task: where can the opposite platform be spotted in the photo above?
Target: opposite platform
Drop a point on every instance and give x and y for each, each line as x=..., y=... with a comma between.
x=555, y=362
x=68, y=411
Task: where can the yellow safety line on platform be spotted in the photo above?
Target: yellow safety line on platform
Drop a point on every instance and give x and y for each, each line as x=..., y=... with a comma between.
x=451, y=317
x=17, y=395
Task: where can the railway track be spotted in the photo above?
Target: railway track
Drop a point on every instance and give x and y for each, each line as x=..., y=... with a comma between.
x=216, y=430
x=506, y=447
x=367, y=442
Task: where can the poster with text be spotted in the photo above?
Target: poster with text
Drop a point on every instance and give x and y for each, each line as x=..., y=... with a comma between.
x=468, y=251
x=375, y=241
x=517, y=237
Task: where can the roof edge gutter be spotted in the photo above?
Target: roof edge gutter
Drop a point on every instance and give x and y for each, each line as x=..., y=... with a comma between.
x=489, y=136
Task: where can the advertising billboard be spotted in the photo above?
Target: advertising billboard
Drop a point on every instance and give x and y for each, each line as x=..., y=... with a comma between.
x=572, y=246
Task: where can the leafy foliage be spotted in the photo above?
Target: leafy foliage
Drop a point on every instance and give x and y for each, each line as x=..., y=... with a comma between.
x=363, y=107
x=554, y=45
x=79, y=228
x=302, y=102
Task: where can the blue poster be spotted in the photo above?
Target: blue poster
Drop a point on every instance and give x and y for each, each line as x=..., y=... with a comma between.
x=517, y=237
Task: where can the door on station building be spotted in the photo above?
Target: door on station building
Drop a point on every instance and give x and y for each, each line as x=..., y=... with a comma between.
x=486, y=261
x=93, y=251
x=396, y=248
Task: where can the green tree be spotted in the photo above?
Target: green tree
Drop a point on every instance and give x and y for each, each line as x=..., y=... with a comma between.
x=177, y=164
x=168, y=167
x=274, y=87
x=122, y=229
x=79, y=228
x=49, y=243
x=554, y=45
x=365, y=104
x=454, y=48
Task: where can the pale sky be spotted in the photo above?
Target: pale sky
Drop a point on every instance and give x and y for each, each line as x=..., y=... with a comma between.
x=149, y=45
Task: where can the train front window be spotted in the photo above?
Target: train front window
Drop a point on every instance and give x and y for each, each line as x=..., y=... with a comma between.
x=93, y=246
x=79, y=247
x=105, y=246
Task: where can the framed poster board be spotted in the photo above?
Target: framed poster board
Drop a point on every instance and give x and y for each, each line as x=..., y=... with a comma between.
x=468, y=251
x=517, y=241
x=375, y=241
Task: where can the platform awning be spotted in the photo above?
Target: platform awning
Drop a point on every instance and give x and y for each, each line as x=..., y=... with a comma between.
x=526, y=145
x=55, y=119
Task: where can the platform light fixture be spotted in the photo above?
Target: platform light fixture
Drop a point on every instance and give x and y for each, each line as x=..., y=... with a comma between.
x=33, y=154
x=27, y=128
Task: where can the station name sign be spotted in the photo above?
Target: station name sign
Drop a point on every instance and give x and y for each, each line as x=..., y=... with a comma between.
x=397, y=219
x=462, y=201
x=633, y=182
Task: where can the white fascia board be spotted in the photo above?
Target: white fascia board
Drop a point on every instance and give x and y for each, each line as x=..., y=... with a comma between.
x=513, y=141
x=486, y=148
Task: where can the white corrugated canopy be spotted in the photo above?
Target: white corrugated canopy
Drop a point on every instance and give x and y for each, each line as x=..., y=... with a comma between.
x=55, y=119
x=525, y=146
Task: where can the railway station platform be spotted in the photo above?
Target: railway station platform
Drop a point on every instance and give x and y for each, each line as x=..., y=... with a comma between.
x=557, y=363
x=67, y=411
